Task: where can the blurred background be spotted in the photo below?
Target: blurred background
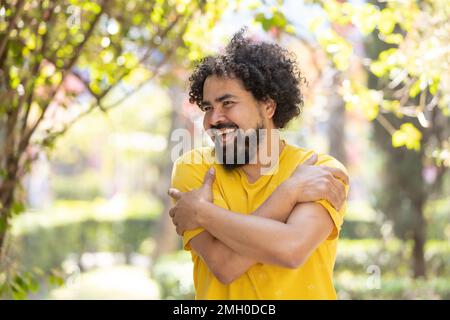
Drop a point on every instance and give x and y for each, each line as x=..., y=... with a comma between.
x=91, y=91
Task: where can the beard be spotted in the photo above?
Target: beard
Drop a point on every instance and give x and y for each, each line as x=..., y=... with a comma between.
x=241, y=150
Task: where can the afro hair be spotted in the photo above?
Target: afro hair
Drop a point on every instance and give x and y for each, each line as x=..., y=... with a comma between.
x=266, y=70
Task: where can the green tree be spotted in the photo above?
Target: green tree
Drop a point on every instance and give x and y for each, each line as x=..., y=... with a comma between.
x=406, y=95
x=60, y=60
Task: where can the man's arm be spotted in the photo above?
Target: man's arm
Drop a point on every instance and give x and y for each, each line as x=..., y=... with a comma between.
x=268, y=241
x=225, y=263
x=228, y=265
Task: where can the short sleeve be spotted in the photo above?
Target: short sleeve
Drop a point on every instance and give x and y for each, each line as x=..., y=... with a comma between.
x=189, y=235
x=187, y=174
x=336, y=216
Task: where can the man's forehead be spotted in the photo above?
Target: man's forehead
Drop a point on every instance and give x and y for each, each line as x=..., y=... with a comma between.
x=215, y=87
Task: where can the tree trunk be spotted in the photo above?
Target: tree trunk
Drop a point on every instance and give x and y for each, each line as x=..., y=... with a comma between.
x=336, y=128
x=3, y=229
x=419, y=237
x=166, y=238
x=418, y=252
x=7, y=197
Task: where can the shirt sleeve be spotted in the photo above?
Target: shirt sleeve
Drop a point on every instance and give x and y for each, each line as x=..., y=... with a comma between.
x=186, y=176
x=336, y=216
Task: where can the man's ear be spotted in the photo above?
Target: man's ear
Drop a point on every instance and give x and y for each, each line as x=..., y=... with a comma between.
x=270, y=107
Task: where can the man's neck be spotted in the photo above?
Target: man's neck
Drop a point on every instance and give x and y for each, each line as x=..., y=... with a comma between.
x=255, y=170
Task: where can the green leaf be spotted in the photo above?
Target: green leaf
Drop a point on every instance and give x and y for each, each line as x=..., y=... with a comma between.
x=367, y=18
x=369, y=101
x=394, y=38
x=387, y=21
x=33, y=284
x=17, y=208
x=392, y=106
x=42, y=29
x=415, y=89
x=278, y=19
x=408, y=135
x=261, y=18
x=434, y=87
x=3, y=225
x=378, y=68
x=55, y=278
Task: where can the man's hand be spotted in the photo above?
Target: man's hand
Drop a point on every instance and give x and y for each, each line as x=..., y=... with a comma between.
x=184, y=213
x=312, y=183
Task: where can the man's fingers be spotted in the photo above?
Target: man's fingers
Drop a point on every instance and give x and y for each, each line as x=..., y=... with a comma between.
x=209, y=177
x=334, y=198
x=339, y=194
x=175, y=193
x=338, y=173
x=311, y=160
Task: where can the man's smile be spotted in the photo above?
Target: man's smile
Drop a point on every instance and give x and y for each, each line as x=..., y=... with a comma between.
x=227, y=135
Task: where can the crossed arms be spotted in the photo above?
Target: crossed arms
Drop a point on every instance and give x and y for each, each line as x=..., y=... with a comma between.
x=283, y=231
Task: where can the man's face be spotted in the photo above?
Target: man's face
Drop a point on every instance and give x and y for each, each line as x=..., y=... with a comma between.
x=233, y=119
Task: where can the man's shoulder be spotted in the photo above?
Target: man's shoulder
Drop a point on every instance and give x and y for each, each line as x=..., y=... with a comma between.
x=300, y=155
x=197, y=156
x=330, y=161
x=190, y=168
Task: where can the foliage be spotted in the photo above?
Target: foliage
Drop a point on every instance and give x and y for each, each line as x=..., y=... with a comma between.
x=45, y=240
x=21, y=284
x=413, y=64
x=174, y=275
x=391, y=256
x=354, y=287
x=84, y=186
x=65, y=212
x=54, y=71
x=398, y=78
x=61, y=60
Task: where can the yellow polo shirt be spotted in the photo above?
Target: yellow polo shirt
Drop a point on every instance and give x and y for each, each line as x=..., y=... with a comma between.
x=232, y=191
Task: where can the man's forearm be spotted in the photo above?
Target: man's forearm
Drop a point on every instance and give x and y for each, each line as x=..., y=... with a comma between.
x=279, y=205
x=245, y=234
x=233, y=264
x=226, y=264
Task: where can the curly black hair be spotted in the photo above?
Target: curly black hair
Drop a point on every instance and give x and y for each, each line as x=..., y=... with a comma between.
x=266, y=70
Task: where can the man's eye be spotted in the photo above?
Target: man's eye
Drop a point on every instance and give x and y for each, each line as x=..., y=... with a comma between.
x=228, y=103
x=206, y=108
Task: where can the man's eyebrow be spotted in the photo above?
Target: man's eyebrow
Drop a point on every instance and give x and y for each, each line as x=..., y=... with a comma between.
x=219, y=99
x=225, y=97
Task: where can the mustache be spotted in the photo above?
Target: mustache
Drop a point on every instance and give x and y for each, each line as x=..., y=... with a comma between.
x=224, y=126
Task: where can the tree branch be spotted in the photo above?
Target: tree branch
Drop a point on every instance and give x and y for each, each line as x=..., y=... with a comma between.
x=385, y=124
x=26, y=137
x=98, y=103
x=47, y=18
x=4, y=40
x=88, y=34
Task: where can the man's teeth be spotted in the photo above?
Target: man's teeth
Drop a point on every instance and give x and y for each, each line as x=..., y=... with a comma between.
x=226, y=131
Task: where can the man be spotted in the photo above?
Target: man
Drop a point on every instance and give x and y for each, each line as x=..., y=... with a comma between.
x=253, y=232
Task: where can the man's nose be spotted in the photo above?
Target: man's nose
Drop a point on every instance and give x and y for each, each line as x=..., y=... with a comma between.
x=216, y=116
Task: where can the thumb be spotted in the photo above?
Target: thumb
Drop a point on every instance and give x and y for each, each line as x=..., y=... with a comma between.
x=311, y=160
x=174, y=193
x=209, y=177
